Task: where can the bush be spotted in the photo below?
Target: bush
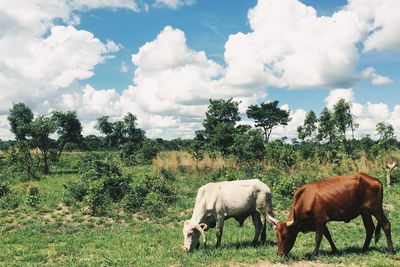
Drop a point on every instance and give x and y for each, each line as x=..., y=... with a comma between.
x=96, y=198
x=101, y=184
x=75, y=191
x=9, y=201
x=32, y=196
x=152, y=194
x=395, y=176
x=285, y=188
x=4, y=189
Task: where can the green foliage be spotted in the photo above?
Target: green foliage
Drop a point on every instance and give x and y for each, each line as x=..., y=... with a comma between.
x=69, y=129
x=122, y=134
x=19, y=163
x=10, y=202
x=151, y=194
x=32, y=198
x=267, y=116
x=309, y=126
x=20, y=119
x=226, y=174
x=280, y=154
x=4, y=189
x=249, y=146
x=41, y=128
x=149, y=150
x=101, y=184
x=387, y=138
x=220, y=124
x=75, y=191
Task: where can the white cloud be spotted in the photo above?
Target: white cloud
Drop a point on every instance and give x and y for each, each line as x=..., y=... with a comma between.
x=337, y=94
x=173, y=4
x=366, y=115
x=124, y=67
x=376, y=79
x=381, y=22
x=290, y=46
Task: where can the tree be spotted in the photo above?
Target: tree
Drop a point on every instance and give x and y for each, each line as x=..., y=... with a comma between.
x=249, y=146
x=20, y=119
x=343, y=117
x=69, y=129
x=326, y=131
x=123, y=134
x=41, y=128
x=267, y=116
x=309, y=126
x=220, y=124
x=387, y=138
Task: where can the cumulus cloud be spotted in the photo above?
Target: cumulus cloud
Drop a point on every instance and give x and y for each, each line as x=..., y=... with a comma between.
x=173, y=4
x=376, y=79
x=380, y=21
x=336, y=94
x=368, y=115
x=290, y=46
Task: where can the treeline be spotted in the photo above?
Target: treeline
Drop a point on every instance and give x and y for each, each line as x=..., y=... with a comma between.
x=328, y=138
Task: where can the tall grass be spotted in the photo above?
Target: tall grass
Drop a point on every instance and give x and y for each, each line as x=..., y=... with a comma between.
x=183, y=162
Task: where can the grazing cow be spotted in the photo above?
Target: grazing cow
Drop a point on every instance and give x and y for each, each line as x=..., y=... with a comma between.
x=216, y=202
x=340, y=198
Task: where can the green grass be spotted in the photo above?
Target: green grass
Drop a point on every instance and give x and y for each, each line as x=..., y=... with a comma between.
x=55, y=235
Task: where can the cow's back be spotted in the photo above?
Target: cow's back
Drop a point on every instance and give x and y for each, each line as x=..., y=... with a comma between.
x=232, y=197
x=339, y=198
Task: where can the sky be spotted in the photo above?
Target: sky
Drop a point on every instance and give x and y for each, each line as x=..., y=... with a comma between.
x=162, y=60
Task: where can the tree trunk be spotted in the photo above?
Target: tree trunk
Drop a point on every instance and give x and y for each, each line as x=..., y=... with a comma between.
x=389, y=169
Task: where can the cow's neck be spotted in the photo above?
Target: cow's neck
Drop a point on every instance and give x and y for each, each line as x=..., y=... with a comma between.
x=198, y=215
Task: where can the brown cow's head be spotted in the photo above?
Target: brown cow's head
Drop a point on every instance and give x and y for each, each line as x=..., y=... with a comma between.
x=191, y=235
x=286, y=234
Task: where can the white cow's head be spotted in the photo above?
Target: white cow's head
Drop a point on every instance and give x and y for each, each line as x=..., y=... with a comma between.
x=191, y=235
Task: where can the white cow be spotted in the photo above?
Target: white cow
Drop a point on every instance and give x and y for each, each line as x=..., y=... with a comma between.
x=216, y=202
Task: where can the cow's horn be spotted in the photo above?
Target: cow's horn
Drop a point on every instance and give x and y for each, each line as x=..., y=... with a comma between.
x=272, y=219
x=290, y=223
x=203, y=234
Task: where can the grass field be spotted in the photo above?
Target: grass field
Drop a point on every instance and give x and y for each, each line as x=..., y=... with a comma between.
x=53, y=234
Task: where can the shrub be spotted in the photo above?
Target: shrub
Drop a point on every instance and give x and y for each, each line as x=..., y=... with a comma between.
x=9, y=201
x=153, y=204
x=75, y=191
x=101, y=184
x=395, y=176
x=151, y=194
x=32, y=196
x=96, y=198
x=4, y=189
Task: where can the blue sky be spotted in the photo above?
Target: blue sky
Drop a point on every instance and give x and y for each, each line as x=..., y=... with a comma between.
x=307, y=54
x=207, y=25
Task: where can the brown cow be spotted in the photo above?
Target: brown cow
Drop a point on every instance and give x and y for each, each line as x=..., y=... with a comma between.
x=340, y=198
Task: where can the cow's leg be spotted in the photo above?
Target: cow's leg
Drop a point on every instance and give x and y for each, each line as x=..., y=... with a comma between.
x=369, y=228
x=385, y=224
x=257, y=226
x=264, y=230
x=219, y=230
x=328, y=236
x=318, y=237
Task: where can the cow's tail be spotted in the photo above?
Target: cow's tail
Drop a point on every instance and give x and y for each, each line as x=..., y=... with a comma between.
x=377, y=233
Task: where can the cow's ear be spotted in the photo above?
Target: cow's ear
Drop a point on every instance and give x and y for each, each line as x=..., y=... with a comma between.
x=203, y=226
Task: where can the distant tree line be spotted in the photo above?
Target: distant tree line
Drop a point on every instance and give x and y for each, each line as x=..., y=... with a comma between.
x=328, y=138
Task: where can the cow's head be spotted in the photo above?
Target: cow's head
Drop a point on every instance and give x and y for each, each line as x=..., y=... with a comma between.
x=286, y=234
x=191, y=235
